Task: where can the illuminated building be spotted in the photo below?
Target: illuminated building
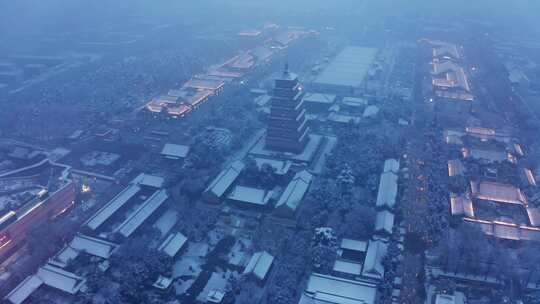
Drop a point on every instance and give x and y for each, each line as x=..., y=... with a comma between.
x=17, y=224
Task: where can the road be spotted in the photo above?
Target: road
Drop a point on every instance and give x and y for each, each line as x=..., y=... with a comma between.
x=413, y=200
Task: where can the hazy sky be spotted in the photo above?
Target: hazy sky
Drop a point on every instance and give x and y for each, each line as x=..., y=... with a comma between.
x=58, y=14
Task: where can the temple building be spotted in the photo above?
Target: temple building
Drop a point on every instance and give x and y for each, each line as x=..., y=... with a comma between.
x=287, y=125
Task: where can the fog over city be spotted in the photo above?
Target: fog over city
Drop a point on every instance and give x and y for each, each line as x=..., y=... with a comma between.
x=270, y=152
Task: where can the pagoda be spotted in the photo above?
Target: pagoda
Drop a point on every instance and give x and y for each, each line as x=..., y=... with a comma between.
x=287, y=124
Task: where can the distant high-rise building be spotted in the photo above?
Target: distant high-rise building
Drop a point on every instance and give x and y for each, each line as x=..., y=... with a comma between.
x=287, y=125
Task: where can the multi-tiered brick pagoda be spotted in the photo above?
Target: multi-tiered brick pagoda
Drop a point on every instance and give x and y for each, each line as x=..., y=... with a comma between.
x=287, y=125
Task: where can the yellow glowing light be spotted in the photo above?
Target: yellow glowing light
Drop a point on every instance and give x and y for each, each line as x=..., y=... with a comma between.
x=85, y=189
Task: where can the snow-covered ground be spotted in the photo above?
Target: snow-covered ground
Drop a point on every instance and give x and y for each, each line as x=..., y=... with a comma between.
x=199, y=249
x=15, y=200
x=239, y=254
x=57, y=154
x=218, y=281
x=189, y=265
x=165, y=223
x=215, y=236
x=181, y=287
x=11, y=185
x=95, y=158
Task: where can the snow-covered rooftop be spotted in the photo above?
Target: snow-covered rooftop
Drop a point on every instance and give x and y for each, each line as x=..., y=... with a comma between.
x=83, y=243
x=225, y=179
x=456, y=298
x=174, y=151
x=320, y=98
x=353, y=245
x=373, y=267
x=370, y=111
x=162, y=282
x=295, y=191
x=20, y=293
x=215, y=296
x=49, y=275
x=391, y=165
x=148, y=180
x=62, y=258
x=173, y=243
x=333, y=290
x=259, y=264
x=216, y=283
x=498, y=192
x=60, y=279
x=142, y=213
x=384, y=221
x=112, y=206
x=506, y=230
x=204, y=83
x=250, y=195
x=388, y=187
x=343, y=118
x=348, y=68
x=347, y=267
x=354, y=101
x=94, y=246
